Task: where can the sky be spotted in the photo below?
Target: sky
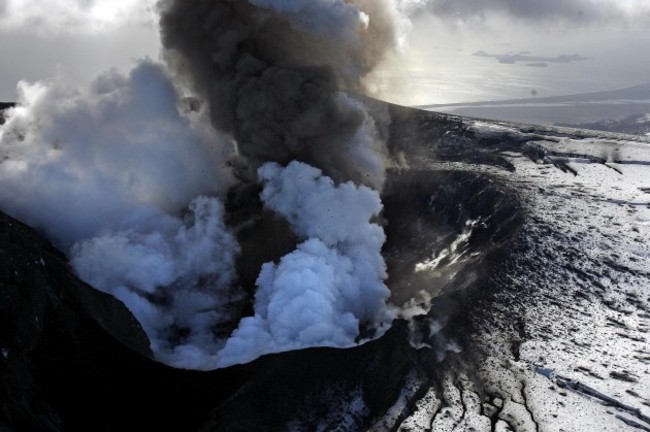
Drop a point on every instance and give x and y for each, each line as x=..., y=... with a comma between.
x=437, y=65
x=79, y=39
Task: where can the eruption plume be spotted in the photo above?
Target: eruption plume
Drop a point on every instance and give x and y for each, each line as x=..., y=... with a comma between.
x=129, y=176
x=275, y=75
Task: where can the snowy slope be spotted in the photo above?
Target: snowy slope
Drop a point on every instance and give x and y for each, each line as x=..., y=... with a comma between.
x=555, y=335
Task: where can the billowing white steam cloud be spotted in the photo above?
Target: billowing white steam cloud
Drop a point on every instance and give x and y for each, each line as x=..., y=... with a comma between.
x=107, y=173
x=332, y=284
x=175, y=275
x=79, y=161
x=128, y=176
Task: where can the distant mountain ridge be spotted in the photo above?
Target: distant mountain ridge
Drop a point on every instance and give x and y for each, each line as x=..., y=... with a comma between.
x=638, y=124
x=584, y=108
x=639, y=92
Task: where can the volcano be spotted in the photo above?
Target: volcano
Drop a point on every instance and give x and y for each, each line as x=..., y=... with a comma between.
x=520, y=251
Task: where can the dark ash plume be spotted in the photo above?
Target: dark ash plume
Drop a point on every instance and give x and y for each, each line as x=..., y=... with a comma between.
x=275, y=76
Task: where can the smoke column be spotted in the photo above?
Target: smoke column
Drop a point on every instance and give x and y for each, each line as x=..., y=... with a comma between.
x=129, y=176
x=275, y=75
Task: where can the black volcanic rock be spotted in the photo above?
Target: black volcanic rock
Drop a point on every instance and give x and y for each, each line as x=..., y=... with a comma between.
x=312, y=382
x=39, y=295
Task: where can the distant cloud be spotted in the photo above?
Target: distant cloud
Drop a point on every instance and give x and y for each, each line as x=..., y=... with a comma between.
x=88, y=16
x=585, y=11
x=76, y=38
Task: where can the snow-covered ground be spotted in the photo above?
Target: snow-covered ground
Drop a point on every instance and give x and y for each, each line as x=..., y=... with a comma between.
x=556, y=336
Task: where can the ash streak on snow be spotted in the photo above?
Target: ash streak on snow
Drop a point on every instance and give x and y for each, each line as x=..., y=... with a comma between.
x=129, y=175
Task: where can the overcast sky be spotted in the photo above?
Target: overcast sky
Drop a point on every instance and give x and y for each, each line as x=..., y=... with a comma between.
x=602, y=12
x=79, y=39
x=437, y=65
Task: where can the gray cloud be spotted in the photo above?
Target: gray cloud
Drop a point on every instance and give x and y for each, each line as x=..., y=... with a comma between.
x=78, y=39
x=576, y=11
x=76, y=16
x=33, y=57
